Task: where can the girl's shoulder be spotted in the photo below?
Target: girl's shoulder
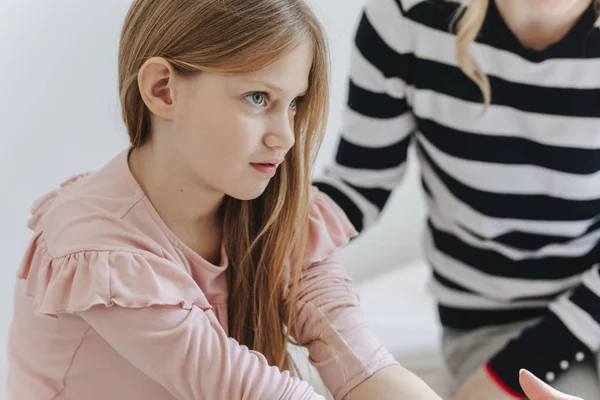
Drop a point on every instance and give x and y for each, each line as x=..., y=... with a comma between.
x=93, y=243
x=329, y=228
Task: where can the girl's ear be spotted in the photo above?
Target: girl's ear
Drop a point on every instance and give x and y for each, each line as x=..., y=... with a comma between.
x=156, y=85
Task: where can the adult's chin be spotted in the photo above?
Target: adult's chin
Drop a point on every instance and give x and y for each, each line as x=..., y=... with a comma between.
x=554, y=7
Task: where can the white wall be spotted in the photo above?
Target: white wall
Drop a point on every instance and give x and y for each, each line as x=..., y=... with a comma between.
x=60, y=116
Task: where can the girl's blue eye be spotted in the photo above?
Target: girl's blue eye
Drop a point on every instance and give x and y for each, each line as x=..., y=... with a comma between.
x=294, y=104
x=257, y=99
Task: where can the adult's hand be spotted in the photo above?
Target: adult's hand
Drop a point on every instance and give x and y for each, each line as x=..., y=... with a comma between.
x=536, y=389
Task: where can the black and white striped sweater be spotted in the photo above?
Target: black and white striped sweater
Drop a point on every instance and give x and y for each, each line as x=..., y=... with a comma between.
x=513, y=194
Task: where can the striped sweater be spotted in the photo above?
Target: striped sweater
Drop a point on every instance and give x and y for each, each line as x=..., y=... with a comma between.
x=513, y=194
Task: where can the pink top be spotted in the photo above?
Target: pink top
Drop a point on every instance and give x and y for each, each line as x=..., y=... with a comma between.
x=112, y=305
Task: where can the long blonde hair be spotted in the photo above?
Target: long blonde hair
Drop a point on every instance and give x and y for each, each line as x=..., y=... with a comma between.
x=237, y=37
x=469, y=21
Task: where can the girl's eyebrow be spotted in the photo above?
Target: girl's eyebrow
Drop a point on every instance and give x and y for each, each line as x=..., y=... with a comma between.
x=271, y=86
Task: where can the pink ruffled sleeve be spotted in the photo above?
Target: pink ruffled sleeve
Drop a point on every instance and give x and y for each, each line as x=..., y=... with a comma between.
x=191, y=356
x=343, y=349
x=153, y=314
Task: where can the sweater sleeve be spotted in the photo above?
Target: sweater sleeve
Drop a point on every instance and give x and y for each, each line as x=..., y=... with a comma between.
x=568, y=334
x=153, y=313
x=378, y=125
x=330, y=321
x=189, y=354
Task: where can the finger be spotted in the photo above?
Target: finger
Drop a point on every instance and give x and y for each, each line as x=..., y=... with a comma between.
x=536, y=389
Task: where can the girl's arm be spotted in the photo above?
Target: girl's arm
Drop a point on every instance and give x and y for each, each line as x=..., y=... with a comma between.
x=350, y=359
x=393, y=383
x=189, y=354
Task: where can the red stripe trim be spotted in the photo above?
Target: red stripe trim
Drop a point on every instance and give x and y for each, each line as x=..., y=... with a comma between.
x=502, y=385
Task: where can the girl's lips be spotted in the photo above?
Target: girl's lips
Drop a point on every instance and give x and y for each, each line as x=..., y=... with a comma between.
x=267, y=169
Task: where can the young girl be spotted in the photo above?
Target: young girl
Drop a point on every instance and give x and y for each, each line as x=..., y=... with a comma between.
x=502, y=98
x=183, y=268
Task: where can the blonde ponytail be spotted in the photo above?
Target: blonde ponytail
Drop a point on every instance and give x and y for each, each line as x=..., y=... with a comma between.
x=468, y=23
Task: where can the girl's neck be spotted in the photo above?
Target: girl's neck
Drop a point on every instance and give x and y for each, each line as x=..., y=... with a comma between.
x=191, y=212
x=534, y=29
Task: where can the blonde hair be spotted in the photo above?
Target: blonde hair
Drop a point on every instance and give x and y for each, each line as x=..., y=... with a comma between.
x=468, y=22
x=237, y=37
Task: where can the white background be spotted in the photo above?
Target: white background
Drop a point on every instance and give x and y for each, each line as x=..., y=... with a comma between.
x=60, y=116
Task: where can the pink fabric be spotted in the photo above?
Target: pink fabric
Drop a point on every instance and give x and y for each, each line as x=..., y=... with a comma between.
x=111, y=305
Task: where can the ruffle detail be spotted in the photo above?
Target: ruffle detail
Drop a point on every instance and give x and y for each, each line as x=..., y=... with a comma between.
x=80, y=281
x=328, y=228
x=41, y=205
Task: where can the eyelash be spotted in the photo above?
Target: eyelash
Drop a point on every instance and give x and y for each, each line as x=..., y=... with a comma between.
x=265, y=95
